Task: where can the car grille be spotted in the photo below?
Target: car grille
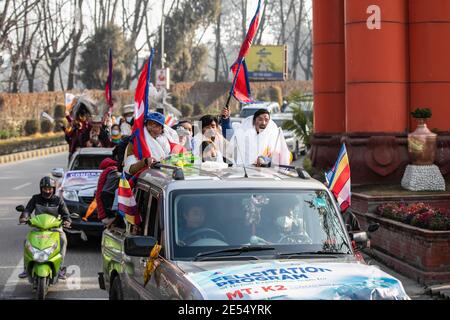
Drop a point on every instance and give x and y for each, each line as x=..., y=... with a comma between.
x=87, y=200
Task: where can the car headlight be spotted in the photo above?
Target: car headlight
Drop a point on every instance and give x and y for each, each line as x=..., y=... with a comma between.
x=70, y=195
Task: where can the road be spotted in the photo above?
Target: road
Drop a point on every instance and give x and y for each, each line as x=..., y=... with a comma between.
x=18, y=182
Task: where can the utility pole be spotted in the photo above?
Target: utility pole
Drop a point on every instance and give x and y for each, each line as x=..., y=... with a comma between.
x=163, y=55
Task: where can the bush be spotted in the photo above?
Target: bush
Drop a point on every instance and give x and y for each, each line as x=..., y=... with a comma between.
x=46, y=126
x=176, y=102
x=59, y=112
x=187, y=110
x=199, y=109
x=31, y=127
x=295, y=96
x=417, y=214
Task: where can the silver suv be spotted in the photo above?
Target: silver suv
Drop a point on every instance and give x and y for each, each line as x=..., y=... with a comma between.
x=234, y=235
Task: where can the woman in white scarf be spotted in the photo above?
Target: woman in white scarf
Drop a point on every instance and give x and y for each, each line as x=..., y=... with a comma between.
x=209, y=131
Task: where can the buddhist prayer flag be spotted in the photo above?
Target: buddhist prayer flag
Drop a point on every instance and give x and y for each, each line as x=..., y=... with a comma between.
x=127, y=202
x=338, y=180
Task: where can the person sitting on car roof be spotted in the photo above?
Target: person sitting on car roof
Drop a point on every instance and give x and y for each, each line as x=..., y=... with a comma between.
x=46, y=202
x=161, y=140
x=210, y=132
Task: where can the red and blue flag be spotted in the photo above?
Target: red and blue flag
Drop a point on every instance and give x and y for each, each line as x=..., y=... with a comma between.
x=140, y=147
x=241, y=85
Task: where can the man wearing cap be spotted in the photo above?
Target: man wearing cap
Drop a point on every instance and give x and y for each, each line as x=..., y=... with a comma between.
x=160, y=142
x=126, y=122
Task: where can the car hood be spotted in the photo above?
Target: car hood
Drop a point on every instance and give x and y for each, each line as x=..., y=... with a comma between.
x=292, y=279
x=84, y=190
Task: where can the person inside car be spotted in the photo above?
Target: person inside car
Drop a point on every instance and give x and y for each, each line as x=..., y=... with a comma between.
x=194, y=219
x=49, y=203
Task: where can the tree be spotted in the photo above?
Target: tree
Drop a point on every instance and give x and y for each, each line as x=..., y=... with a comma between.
x=94, y=72
x=301, y=125
x=185, y=55
x=78, y=27
x=56, y=38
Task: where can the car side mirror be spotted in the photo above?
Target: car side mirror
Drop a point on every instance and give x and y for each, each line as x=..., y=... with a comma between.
x=361, y=239
x=373, y=227
x=139, y=246
x=20, y=208
x=58, y=172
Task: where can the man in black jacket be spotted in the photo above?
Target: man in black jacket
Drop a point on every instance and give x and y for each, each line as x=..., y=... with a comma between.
x=47, y=202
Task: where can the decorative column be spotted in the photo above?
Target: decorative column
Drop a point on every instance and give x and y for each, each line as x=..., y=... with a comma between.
x=429, y=31
x=329, y=80
x=376, y=60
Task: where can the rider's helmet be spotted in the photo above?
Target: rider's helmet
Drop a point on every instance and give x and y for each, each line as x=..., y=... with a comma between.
x=47, y=182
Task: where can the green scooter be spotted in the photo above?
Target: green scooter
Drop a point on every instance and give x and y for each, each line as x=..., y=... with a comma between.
x=42, y=255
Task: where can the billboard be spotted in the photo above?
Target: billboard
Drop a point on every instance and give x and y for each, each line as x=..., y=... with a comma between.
x=163, y=79
x=267, y=63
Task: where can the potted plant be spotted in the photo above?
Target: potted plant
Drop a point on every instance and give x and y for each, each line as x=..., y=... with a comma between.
x=422, y=142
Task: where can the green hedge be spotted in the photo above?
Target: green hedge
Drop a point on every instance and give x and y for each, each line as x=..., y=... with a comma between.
x=30, y=143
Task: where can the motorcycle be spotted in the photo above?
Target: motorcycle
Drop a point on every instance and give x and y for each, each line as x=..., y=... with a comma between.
x=42, y=256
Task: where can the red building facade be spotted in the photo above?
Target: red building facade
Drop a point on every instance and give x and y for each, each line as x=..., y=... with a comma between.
x=375, y=61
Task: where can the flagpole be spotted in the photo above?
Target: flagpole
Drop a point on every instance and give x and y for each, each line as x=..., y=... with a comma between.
x=149, y=69
x=234, y=84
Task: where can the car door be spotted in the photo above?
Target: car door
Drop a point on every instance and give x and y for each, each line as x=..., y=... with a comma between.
x=135, y=266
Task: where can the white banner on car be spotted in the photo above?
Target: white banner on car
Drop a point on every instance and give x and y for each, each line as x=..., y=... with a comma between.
x=298, y=280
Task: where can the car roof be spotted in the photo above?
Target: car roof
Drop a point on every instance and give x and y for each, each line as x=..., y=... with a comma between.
x=95, y=151
x=260, y=105
x=230, y=178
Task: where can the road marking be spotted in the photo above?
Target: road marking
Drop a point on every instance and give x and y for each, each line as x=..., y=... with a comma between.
x=8, y=267
x=22, y=186
x=13, y=281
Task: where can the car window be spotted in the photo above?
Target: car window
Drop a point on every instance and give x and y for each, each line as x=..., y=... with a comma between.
x=152, y=217
x=290, y=220
x=87, y=162
x=248, y=113
x=142, y=199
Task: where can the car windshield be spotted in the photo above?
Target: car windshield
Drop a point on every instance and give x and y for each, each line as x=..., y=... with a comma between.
x=87, y=162
x=290, y=221
x=81, y=178
x=245, y=113
x=279, y=122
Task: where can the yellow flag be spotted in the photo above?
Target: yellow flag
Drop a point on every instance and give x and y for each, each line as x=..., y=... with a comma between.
x=150, y=267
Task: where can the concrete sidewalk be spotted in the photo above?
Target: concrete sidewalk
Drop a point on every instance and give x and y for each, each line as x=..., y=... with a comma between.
x=33, y=154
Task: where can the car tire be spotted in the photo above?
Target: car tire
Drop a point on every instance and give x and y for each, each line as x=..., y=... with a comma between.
x=116, y=292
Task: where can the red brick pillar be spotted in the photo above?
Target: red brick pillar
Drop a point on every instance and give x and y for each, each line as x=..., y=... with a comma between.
x=430, y=60
x=376, y=68
x=329, y=66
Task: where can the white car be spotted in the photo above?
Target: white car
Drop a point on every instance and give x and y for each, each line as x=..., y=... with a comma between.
x=248, y=110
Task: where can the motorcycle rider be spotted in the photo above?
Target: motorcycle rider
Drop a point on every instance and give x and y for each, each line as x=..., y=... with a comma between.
x=49, y=203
